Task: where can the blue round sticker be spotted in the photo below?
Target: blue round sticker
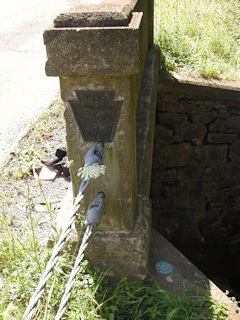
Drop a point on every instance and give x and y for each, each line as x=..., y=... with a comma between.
x=164, y=268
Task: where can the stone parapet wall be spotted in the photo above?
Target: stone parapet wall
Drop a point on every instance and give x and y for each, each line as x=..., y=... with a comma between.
x=195, y=187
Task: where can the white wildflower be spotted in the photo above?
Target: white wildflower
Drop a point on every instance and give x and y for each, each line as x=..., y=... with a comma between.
x=69, y=163
x=93, y=171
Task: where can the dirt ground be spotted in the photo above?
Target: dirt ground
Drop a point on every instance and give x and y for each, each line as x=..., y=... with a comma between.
x=22, y=198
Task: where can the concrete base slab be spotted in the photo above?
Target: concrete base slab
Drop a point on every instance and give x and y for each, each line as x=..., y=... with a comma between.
x=116, y=253
x=185, y=274
x=119, y=253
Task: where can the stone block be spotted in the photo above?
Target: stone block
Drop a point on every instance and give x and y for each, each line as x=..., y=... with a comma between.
x=218, y=126
x=189, y=198
x=154, y=189
x=190, y=132
x=216, y=195
x=190, y=185
x=192, y=171
x=226, y=125
x=204, y=117
x=176, y=155
x=171, y=118
x=230, y=181
x=234, y=103
x=162, y=132
x=208, y=155
x=188, y=231
x=177, y=196
x=223, y=113
x=169, y=176
x=207, y=106
x=170, y=105
x=233, y=123
x=235, y=111
x=217, y=171
x=234, y=152
x=166, y=221
x=222, y=138
x=163, y=201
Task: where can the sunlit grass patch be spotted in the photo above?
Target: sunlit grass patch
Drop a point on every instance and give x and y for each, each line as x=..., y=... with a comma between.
x=200, y=37
x=92, y=296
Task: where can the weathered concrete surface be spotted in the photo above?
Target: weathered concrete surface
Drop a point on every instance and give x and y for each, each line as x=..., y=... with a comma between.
x=120, y=253
x=108, y=44
x=116, y=253
x=113, y=249
x=103, y=14
x=120, y=180
x=132, y=249
x=93, y=50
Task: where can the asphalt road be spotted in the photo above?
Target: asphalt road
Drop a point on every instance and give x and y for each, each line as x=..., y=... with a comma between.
x=25, y=90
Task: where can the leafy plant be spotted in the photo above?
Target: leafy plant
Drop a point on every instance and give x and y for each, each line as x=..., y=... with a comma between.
x=25, y=159
x=126, y=300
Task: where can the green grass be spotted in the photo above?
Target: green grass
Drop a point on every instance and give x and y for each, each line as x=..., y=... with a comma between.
x=23, y=260
x=92, y=296
x=200, y=37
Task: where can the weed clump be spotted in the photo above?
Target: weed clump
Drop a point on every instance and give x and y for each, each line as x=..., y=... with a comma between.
x=199, y=37
x=92, y=296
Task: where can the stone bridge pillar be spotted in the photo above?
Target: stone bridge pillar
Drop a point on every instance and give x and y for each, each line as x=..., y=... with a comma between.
x=102, y=51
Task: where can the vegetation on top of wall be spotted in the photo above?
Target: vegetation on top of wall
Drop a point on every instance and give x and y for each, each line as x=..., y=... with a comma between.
x=200, y=37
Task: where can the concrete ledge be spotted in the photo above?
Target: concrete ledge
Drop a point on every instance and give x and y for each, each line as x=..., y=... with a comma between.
x=177, y=84
x=105, y=14
x=93, y=50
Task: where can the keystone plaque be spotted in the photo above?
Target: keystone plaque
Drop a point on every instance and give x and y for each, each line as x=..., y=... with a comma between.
x=96, y=114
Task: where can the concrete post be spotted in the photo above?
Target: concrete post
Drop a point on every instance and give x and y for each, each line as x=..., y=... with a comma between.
x=99, y=52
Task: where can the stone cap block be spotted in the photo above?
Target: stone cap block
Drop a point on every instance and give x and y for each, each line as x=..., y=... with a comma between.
x=94, y=50
x=106, y=13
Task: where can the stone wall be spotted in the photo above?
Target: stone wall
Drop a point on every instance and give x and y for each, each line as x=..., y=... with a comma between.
x=195, y=186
